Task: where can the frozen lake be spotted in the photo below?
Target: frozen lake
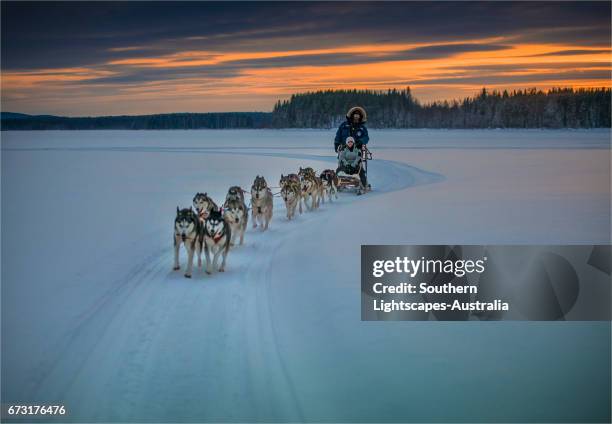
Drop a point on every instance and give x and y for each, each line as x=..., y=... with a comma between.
x=93, y=316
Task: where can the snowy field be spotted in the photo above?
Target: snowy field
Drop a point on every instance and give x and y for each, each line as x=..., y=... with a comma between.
x=93, y=316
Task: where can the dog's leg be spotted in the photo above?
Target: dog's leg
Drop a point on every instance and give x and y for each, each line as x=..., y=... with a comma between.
x=268, y=218
x=216, y=260
x=199, y=253
x=207, y=255
x=222, y=269
x=242, y=230
x=190, y=250
x=233, y=238
x=177, y=246
x=254, y=216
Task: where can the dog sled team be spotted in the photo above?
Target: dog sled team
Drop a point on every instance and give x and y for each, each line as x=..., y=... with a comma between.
x=214, y=229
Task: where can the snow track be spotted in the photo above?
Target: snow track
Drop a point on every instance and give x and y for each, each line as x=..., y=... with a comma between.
x=154, y=345
x=103, y=325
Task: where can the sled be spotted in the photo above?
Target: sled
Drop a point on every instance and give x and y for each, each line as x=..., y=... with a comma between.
x=351, y=182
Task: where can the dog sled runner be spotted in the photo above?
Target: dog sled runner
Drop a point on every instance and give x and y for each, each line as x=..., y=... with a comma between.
x=351, y=182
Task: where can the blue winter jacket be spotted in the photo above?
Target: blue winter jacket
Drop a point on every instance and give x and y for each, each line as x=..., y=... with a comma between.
x=358, y=131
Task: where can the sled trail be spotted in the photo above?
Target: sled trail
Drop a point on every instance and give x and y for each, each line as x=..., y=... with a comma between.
x=94, y=317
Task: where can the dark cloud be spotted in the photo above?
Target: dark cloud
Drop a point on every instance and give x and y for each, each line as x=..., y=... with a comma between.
x=525, y=67
x=133, y=75
x=490, y=80
x=573, y=52
x=68, y=34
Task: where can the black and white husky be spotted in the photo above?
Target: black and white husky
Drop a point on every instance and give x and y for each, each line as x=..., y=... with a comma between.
x=217, y=237
x=188, y=231
x=261, y=202
x=203, y=204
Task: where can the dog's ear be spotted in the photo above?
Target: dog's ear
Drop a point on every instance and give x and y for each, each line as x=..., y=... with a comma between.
x=177, y=210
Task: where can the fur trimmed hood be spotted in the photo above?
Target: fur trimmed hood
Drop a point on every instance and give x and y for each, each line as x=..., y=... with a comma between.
x=364, y=116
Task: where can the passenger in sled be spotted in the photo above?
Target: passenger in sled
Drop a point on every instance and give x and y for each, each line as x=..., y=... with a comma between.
x=349, y=161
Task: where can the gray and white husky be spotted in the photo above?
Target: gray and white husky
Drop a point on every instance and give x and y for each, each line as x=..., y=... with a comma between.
x=311, y=187
x=261, y=203
x=217, y=236
x=329, y=180
x=188, y=231
x=236, y=214
x=235, y=193
x=292, y=195
x=203, y=204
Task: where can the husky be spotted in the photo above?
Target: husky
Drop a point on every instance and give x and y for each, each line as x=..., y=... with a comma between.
x=286, y=179
x=187, y=230
x=203, y=204
x=292, y=193
x=261, y=202
x=235, y=193
x=236, y=215
x=217, y=235
x=329, y=181
x=311, y=187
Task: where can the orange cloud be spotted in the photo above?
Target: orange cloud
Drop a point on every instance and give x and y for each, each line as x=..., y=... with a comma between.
x=244, y=81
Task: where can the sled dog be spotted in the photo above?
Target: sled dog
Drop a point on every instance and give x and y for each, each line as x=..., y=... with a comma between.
x=329, y=181
x=235, y=193
x=311, y=187
x=217, y=236
x=188, y=231
x=261, y=203
x=285, y=179
x=236, y=215
x=203, y=204
x=292, y=194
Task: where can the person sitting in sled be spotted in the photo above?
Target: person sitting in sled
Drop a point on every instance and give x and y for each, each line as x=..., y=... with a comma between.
x=354, y=127
x=349, y=161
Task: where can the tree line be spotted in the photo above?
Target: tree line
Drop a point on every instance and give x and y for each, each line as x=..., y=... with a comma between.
x=531, y=108
x=170, y=121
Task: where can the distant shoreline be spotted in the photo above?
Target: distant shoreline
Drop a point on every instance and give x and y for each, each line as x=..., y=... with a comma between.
x=394, y=109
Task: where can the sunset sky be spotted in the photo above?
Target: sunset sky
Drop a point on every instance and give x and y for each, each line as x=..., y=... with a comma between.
x=109, y=58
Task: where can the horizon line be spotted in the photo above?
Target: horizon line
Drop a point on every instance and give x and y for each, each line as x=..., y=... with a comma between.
x=476, y=93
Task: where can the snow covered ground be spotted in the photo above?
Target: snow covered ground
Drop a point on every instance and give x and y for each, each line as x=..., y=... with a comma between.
x=94, y=317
